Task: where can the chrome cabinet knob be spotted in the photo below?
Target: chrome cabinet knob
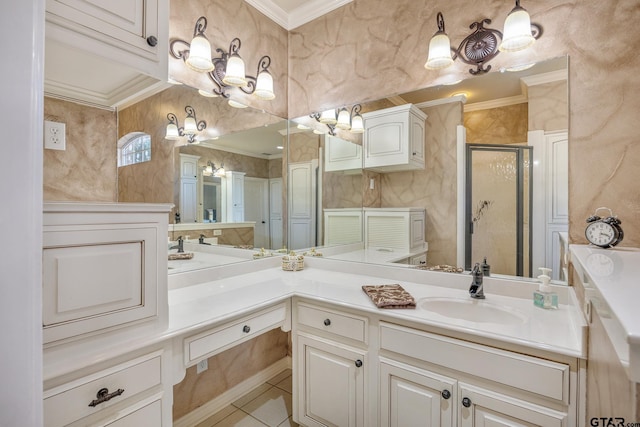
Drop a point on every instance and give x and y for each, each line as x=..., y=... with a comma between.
x=246, y=329
x=152, y=41
x=327, y=322
x=358, y=363
x=466, y=402
x=446, y=394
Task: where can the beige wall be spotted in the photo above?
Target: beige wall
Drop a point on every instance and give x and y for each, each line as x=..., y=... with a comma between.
x=502, y=125
x=364, y=51
x=86, y=170
x=548, y=109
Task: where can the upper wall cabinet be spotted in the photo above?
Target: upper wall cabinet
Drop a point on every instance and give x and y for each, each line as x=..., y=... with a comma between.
x=394, y=139
x=341, y=155
x=106, y=52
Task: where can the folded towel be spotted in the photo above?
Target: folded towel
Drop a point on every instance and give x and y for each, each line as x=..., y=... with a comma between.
x=389, y=296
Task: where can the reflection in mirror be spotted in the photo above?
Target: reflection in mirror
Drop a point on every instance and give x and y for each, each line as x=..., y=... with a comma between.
x=521, y=110
x=226, y=185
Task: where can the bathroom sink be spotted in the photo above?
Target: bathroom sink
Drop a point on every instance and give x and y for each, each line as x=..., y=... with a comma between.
x=479, y=311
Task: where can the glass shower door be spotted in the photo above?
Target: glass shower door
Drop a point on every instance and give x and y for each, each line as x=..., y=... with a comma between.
x=498, y=208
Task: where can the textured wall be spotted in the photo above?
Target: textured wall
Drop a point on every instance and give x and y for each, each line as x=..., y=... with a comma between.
x=548, y=109
x=227, y=20
x=433, y=188
x=366, y=51
x=86, y=170
x=502, y=125
x=230, y=236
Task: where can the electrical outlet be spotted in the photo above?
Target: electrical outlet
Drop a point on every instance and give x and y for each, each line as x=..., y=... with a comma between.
x=54, y=135
x=202, y=366
x=217, y=232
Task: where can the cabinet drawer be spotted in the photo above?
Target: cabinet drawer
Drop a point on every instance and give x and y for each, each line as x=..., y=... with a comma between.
x=340, y=324
x=213, y=341
x=71, y=401
x=543, y=377
x=149, y=415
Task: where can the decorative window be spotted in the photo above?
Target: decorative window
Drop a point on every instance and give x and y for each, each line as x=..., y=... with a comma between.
x=134, y=148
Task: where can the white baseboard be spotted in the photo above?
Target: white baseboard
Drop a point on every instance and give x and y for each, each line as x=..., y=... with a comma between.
x=203, y=412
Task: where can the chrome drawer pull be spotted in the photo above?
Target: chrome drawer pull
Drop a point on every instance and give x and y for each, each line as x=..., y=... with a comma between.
x=103, y=395
x=246, y=329
x=327, y=322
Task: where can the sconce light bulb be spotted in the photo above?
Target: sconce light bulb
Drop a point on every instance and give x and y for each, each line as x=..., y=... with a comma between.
x=236, y=104
x=357, y=124
x=439, y=52
x=172, y=133
x=190, y=127
x=200, y=55
x=264, y=86
x=517, y=31
x=344, y=120
x=234, y=74
x=328, y=117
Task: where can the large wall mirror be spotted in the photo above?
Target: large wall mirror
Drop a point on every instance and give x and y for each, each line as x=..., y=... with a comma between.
x=485, y=176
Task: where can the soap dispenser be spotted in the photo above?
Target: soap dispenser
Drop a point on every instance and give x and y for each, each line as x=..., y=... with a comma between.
x=544, y=297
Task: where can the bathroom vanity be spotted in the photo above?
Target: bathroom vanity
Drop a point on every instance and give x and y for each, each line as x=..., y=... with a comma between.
x=451, y=360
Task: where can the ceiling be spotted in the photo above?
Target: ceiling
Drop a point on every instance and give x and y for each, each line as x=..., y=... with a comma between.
x=290, y=14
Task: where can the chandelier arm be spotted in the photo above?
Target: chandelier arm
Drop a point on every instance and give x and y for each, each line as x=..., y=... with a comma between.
x=234, y=46
x=536, y=30
x=332, y=129
x=440, y=22
x=479, y=47
x=191, y=112
x=201, y=125
x=356, y=110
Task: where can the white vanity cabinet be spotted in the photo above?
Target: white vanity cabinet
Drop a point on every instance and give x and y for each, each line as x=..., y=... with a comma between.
x=341, y=155
x=394, y=139
x=450, y=379
x=330, y=367
x=104, y=266
x=133, y=391
x=134, y=32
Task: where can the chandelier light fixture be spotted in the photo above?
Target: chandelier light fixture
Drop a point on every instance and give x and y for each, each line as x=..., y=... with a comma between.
x=342, y=119
x=226, y=71
x=190, y=129
x=212, y=170
x=483, y=44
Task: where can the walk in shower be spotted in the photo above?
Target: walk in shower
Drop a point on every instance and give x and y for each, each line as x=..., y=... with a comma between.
x=498, y=207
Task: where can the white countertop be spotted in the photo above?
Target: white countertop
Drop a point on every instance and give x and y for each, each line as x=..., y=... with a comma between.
x=192, y=307
x=374, y=256
x=612, y=282
x=209, y=297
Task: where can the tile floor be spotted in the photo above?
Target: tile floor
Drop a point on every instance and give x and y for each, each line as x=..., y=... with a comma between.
x=267, y=405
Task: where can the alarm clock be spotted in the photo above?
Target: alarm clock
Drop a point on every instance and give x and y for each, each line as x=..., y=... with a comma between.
x=604, y=232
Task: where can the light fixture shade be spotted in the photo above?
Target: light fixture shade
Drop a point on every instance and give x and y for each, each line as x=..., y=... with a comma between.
x=219, y=172
x=234, y=74
x=207, y=93
x=318, y=132
x=264, y=86
x=236, y=104
x=208, y=170
x=172, y=132
x=328, y=117
x=439, y=52
x=357, y=124
x=190, y=127
x=200, y=55
x=344, y=120
x=517, y=31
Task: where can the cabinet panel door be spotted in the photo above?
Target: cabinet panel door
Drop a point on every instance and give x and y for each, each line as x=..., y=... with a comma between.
x=412, y=397
x=417, y=139
x=490, y=409
x=188, y=199
x=331, y=386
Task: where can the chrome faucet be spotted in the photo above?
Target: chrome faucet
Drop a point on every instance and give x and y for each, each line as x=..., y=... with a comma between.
x=179, y=246
x=475, y=290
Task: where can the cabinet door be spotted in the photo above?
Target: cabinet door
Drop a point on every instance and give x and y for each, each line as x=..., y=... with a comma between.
x=127, y=21
x=412, y=397
x=330, y=384
x=483, y=408
x=417, y=139
x=188, y=166
x=386, y=141
x=188, y=199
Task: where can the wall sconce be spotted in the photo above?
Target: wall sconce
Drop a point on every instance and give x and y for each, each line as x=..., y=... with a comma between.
x=483, y=44
x=191, y=126
x=341, y=119
x=226, y=71
x=212, y=170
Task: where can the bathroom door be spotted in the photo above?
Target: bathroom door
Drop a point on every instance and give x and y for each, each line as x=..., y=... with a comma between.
x=498, y=208
x=256, y=208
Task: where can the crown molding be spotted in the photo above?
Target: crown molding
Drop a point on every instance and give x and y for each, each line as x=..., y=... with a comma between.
x=496, y=103
x=442, y=101
x=208, y=144
x=550, y=77
x=298, y=16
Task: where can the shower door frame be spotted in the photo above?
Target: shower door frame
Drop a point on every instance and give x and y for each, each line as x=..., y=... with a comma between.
x=519, y=152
